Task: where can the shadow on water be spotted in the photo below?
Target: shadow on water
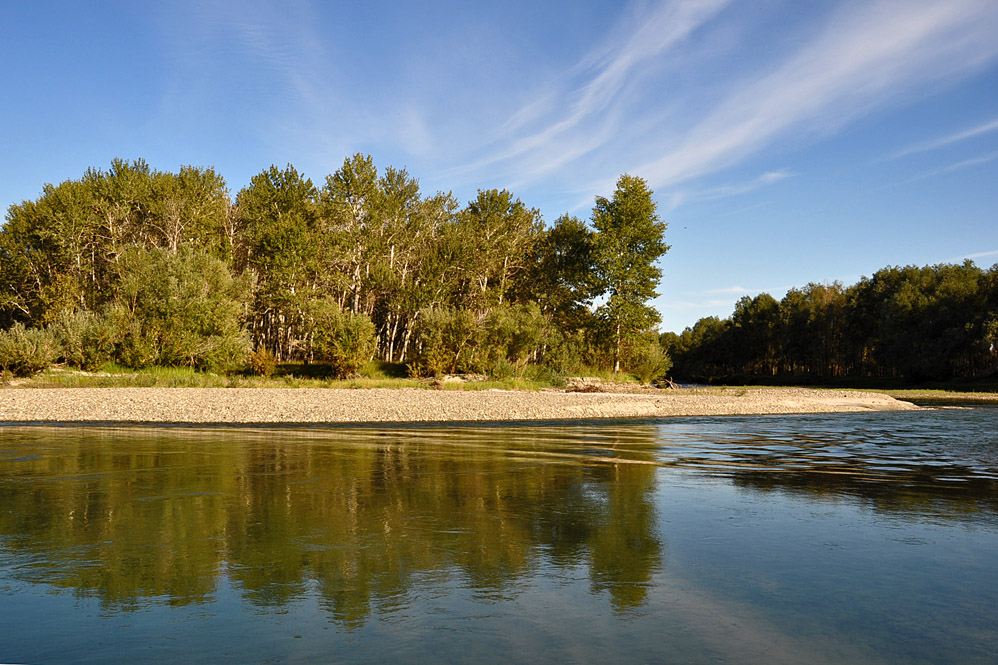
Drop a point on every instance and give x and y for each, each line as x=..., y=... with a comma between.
x=143, y=515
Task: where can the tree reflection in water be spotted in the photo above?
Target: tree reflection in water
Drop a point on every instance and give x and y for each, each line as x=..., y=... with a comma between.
x=364, y=518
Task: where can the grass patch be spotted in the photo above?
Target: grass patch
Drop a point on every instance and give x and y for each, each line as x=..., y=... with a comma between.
x=374, y=374
x=287, y=376
x=938, y=397
x=112, y=376
x=513, y=383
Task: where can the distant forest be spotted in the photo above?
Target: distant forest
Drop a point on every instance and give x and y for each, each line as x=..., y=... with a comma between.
x=916, y=324
x=143, y=267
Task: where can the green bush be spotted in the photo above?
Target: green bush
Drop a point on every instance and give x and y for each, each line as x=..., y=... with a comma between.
x=87, y=340
x=500, y=342
x=445, y=339
x=647, y=360
x=512, y=337
x=568, y=354
x=345, y=340
x=502, y=369
x=136, y=349
x=26, y=351
x=180, y=309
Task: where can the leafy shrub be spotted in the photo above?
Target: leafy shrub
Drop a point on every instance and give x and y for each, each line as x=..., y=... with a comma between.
x=26, y=351
x=87, y=340
x=502, y=369
x=647, y=360
x=136, y=349
x=262, y=362
x=345, y=340
x=499, y=342
x=568, y=354
x=444, y=338
x=513, y=333
x=180, y=309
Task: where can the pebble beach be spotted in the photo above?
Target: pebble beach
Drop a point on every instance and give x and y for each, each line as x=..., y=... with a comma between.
x=411, y=405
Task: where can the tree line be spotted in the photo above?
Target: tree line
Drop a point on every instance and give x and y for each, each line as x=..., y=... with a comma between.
x=145, y=267
x=913, y=323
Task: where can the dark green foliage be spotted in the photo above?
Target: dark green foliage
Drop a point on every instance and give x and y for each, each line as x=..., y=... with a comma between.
x=343, y=339
x=702, y=352
x=916, y=324
x=573, y=352
x=564, y=280
x=26, y=351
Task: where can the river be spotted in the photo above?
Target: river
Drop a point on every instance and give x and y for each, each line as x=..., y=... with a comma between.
x=848, y=538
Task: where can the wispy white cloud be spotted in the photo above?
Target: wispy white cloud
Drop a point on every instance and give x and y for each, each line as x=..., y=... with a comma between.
x=611, y=118
x=694, y=305
x=868, y=55
x=680, y=197
x=945, y=141
x=538, y=132
x=637, y=102
x=958, y=166
x=972, y=257
x=733, y=290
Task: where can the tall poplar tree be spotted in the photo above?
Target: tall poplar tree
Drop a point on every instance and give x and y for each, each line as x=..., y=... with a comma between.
x=628, y=242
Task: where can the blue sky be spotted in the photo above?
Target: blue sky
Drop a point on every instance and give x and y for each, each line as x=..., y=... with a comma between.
x=786, y=142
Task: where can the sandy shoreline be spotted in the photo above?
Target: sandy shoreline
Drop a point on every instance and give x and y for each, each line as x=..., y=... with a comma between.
x=319, y=405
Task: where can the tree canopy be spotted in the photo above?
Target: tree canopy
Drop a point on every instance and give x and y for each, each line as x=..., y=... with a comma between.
x=296, y=271
x=627, y=245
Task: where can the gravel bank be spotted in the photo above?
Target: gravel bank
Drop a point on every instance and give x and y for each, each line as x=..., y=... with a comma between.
x=317, y=405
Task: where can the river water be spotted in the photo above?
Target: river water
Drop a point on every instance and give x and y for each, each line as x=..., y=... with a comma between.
x=846, y=538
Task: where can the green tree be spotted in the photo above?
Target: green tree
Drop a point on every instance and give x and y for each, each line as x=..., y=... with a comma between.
x=564, y=281
x=628, y=242
x=277, y=213
x=62, y=251
x=755, y=326
x=348, y=209
x=499, y=235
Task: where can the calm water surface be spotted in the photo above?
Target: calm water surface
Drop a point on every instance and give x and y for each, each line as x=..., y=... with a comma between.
x=822, y=539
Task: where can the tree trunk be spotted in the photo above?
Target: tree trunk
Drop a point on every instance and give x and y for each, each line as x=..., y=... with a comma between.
x=616, y=350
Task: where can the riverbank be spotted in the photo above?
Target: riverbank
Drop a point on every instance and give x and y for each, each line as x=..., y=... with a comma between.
x=329, y=406
x=944, y=397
